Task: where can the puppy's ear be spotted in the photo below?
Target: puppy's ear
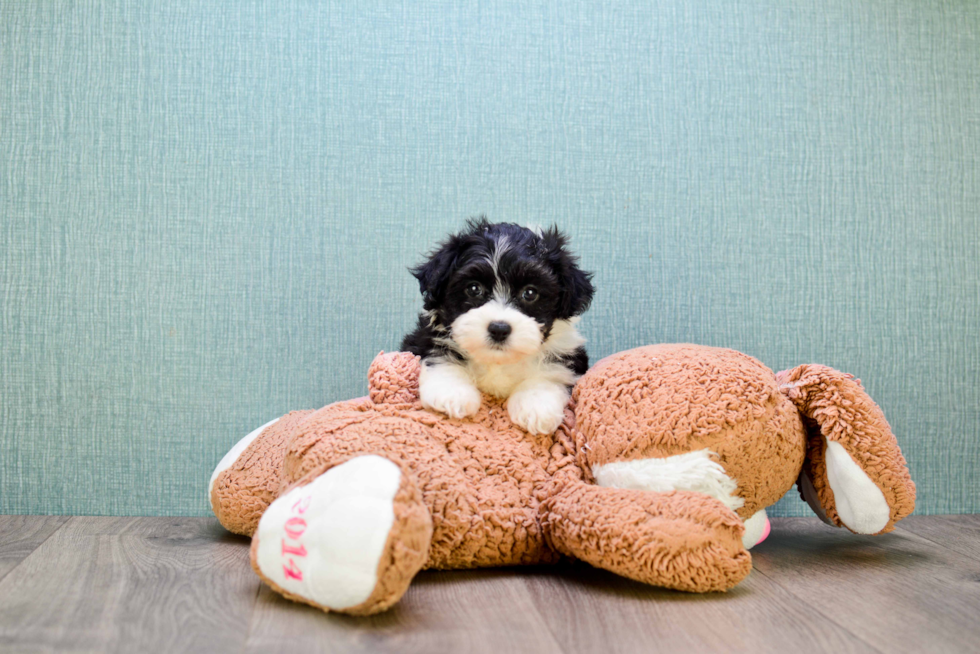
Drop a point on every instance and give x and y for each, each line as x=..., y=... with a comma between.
x=434, y=274
x=576, y=284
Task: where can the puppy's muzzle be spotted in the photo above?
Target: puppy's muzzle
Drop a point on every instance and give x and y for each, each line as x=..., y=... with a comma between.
x=499, y=331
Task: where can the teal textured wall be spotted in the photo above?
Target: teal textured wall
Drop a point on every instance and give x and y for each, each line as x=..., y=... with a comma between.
x=208, y=208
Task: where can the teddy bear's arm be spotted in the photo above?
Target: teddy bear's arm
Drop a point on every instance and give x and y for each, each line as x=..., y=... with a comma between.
x=854, y=474
x=679, y=539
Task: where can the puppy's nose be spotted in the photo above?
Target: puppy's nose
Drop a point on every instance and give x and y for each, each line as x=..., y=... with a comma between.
x=499, y=331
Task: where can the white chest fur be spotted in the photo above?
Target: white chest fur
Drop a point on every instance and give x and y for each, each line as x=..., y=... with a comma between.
x=500, y=380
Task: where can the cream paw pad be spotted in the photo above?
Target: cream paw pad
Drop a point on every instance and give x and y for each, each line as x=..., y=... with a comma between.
x=350, y=539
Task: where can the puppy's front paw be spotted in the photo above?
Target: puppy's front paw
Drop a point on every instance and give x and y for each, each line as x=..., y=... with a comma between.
x=456, y=400
x=539, y=409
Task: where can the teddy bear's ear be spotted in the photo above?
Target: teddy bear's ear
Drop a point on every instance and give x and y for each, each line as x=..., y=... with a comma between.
x=393, y=378
x=854, y=474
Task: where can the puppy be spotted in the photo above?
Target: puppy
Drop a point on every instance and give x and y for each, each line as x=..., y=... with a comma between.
x=500, y=306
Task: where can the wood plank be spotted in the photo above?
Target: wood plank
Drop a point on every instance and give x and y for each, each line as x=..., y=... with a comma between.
x=22, y=534
x=130, y=584
x=459, y=611
x=184, y=584
x=960, y=533
x=591, y=610
x=898, y=591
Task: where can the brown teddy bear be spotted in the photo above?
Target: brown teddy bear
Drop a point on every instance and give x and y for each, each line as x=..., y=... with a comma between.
x=660, y=472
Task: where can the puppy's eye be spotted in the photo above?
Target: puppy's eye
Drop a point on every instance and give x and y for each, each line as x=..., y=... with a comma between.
x=474, y=290
x=529, y=294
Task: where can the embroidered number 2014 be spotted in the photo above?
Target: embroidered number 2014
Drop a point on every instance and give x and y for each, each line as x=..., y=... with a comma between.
x=295, y=527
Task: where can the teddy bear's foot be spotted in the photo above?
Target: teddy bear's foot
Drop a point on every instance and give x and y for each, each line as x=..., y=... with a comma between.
x=349, y=539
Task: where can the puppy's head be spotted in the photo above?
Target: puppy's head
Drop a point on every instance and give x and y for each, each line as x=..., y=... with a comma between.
x=496, y=290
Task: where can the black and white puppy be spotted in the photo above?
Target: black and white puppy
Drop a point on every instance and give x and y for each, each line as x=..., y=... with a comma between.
x=500, y=306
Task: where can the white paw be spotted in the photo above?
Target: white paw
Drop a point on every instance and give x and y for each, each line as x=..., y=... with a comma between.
x=538, y=409
x=455, y=398
x=324, y=541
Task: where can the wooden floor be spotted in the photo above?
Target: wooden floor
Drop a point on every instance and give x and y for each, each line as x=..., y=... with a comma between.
x=184, y=585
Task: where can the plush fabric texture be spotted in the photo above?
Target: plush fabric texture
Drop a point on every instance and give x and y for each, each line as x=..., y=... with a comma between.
x=681, y=540
x=243, y=492
x=483, y=492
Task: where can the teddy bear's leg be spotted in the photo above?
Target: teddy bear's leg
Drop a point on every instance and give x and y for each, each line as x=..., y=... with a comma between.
x=854, y=473
x=247, y=478
x=696, y=471
x=678, y=539
x=349, y=538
